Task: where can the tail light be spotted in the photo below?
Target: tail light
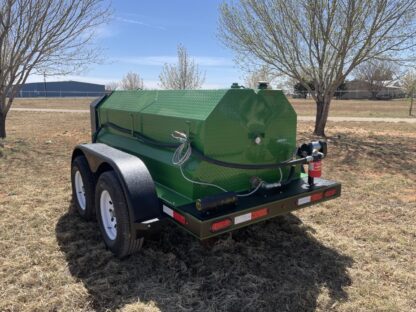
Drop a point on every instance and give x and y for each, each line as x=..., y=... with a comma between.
x=221, y=225
x=259, y=213
x=178, y=217
x=330, y=192
x=310, y=198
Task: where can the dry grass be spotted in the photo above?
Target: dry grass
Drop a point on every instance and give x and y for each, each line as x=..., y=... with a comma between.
x=356, y=253
x=343, y=108
x=57, y=103
x=356, y=108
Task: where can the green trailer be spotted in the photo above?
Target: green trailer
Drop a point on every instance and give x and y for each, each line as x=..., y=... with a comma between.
x=211, y=161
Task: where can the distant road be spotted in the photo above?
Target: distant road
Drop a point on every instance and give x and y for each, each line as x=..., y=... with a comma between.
x=383, y=119
x=49, y=110
x=300, y=118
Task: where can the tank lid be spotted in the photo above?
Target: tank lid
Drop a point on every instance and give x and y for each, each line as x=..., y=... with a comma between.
x=263, y=85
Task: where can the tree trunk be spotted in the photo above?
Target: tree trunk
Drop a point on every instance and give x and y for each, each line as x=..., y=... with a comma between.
x=322, y=110
x=411, y=105
x=2, y=126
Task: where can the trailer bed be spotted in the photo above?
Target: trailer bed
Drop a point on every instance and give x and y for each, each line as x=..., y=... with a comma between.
x=252, y=209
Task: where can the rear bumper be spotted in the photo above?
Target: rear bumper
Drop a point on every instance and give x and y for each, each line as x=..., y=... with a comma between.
x=255, y=209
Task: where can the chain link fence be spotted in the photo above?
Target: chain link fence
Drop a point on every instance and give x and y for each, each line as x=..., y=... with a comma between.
x=60, y=93
x=386, y=94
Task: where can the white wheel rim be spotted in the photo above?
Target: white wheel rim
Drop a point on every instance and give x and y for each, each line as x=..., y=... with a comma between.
x=108, y=215
x=80, y=190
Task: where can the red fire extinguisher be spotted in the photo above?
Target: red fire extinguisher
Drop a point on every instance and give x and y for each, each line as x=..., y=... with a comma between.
x=315, y=169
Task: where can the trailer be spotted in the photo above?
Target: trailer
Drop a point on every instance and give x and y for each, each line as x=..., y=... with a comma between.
x=210, y=161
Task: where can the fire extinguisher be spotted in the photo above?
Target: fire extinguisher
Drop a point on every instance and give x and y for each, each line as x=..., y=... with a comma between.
x=314, y=171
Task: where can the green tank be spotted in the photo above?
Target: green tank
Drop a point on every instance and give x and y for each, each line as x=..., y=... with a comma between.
x=237, y=126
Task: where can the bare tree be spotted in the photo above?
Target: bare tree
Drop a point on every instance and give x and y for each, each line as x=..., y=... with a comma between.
x=183, y=75
x=45, y=37
x=409, y=85
x=320, y=41
x=112, y=85
x=263, y=73
x=377, y=74
x=131, y=81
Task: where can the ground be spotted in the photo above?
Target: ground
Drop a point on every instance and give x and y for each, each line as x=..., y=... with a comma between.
x=355, y=253
x=357, y=108
x=59, y=103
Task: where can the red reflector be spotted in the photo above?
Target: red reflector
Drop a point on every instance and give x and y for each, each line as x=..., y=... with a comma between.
x=178, y=217
x=316, y=196
x=330, y=192
x=259, y=213
x=220, y=225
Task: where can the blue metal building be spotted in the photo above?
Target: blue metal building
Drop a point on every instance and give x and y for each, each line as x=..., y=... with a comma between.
x=61, y=89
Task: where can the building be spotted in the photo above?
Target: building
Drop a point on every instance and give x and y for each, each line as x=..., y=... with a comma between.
x=61, y=89
x=359, y=89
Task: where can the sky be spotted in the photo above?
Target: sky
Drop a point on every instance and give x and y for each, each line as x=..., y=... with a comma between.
x=143, y=35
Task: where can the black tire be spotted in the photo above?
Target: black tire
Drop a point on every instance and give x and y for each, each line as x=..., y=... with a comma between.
x=86, y=210
x=125, y=242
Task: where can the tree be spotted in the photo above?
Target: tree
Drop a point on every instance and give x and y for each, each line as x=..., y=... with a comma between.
x=377, y=73
x=409, y=85
x=301, y=90
x=339, y=92
x=322, y=40
x=112, y=85
x=131, y=81
x=263, y=73
x=183, y=75
x=48, y=37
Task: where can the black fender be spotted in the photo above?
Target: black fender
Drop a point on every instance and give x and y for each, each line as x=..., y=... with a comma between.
x=138, y=186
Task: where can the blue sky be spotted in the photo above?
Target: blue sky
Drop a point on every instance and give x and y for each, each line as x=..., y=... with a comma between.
x=143, y=35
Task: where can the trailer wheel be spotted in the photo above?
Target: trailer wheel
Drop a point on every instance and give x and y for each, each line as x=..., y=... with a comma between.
x=113, y=216
x=83, y=187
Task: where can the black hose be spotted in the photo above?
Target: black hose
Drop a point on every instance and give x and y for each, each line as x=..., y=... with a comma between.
x=141, y=137
x=227, y=164
x=146, y=140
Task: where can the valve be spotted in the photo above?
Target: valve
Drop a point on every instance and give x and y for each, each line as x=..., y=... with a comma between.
x=314, y=152
x=309, y=148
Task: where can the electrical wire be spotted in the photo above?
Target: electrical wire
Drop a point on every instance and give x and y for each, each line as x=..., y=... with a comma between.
x=184, y=152
x=201, y=183
x=281, y=175
x=252, y=192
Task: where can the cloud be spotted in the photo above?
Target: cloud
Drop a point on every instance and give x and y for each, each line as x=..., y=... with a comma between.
x=138, y=22
x=206, y=61
x=105, y=31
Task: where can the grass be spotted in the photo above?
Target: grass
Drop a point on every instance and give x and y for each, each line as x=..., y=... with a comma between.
x=54, y=103
x=355, y=253
x=356, y=108
x=342, y=108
